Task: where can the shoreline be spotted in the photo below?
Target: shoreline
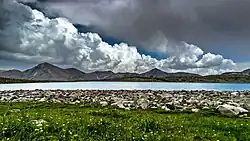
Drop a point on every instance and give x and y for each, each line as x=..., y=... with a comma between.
x=155, y=86
x=126, y=90
x=208, y=82
x=193, y=100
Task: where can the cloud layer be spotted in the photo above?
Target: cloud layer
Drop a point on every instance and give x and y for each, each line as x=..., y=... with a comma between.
x=29, y=36
x=220, y=26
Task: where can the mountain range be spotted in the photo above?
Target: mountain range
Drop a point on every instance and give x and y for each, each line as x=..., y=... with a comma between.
x=46, y=71
x=49, y=72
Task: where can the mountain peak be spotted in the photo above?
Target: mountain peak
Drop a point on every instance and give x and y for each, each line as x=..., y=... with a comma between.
x=156, y=69
x=46, y=71
x=45, y=64
x=155, y=72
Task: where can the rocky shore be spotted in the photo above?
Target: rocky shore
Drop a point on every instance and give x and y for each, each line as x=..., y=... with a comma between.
x=226, y=102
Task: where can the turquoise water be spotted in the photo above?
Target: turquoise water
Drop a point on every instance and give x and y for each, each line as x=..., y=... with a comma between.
x=127, y=86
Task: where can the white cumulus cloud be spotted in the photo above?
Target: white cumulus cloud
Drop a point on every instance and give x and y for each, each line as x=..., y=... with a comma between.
x=27, y=35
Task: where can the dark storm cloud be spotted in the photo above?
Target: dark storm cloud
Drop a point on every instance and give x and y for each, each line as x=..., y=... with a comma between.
x=27, y=35
x=214, y=25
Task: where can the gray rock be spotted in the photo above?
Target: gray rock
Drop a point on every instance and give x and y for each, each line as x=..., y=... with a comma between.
x=243, y=115
x=167, y=95
x=104, y=103
x=205, y=108
x=43, y=99
x=192, y=101
x=12, y=98
x=119, y=104
x=3, y=99
x=233, y=104
x=195, y=110
x=246, y=106
x=128, y=103
x=234, y=94
x=127, y=108
x=165, y=108
x=230, y=110
x=143, y=103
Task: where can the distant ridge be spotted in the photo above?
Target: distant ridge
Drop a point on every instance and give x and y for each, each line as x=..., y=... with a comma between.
x=11, y=74
x=48, y=72
x=244, y=72
x=159, y=73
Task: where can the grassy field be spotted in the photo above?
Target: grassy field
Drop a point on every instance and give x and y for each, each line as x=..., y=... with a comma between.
x=30, y=121
x=208, y=79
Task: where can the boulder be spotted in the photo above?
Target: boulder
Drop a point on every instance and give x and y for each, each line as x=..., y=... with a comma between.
x=165, y=108
x=166, y=95
x=192, y=101
x=242, y=110
x=205, y=108
x=242, y=116
x=128, y=103
x=3, y=99
x=229, y=110
x=195, y=110
x=143, y=103
x=119, y=104
x=233, y=104
x=234, y=94
x=246, y=106
x=127, y=108
x=43, y=99
x=104, y=103
x=171, y=105
x=11, y=98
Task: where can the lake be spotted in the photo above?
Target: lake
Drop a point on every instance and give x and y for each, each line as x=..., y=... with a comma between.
x=127, y=86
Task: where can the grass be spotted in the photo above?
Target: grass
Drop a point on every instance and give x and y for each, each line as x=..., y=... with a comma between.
x=94, y=123
x=206, y=79
x=203, y=79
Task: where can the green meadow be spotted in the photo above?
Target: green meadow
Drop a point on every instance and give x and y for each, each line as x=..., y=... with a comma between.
x=47, y=121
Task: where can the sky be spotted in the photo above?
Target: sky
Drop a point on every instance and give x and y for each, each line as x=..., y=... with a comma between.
x=204, y=37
